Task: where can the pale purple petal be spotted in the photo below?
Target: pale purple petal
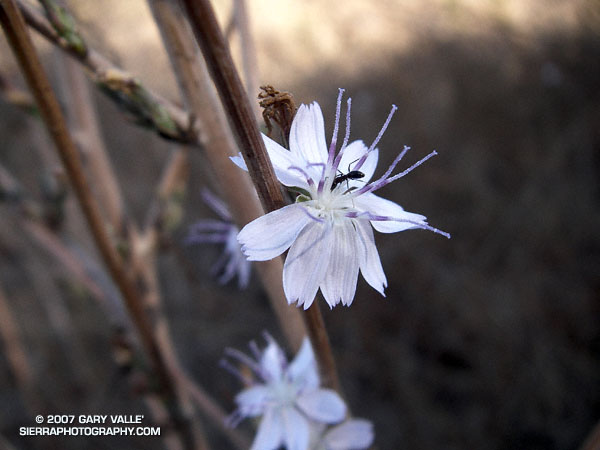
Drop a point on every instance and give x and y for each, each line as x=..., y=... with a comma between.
x=272, y=234
x=307, y=134
x=306, y=263
x=352, y=154
x=271, y=362
x=297, y=432
x=356, y=434
x=244, y=270
x=282, y=160
x=252, y=401
x=304, y=367
x=342, y=274
x=238, y=160
x=270, y=432
x=381, y=207
x=370, y=264
x=322, y=405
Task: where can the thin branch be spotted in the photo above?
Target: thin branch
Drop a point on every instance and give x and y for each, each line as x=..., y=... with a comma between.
x=80, y=269
x=235, y=185
x=15, y=29
x=224, y=74
x=235, y=102
x=150, y=109
x=248, y=49
x=80, y=111
x=320, y=340
x=164, y=211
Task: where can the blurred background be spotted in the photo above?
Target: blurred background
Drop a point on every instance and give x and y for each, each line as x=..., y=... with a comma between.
x=489, y=340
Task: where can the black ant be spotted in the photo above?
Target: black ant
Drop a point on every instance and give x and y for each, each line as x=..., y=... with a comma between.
x=352, y=175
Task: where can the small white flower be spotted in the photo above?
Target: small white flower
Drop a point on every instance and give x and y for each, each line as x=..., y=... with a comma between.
x=328, y=229
x=224, y=231
x=287, y=396
x=353, y=434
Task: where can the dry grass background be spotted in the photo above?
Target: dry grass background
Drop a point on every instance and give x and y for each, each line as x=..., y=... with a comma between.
x=489, y=340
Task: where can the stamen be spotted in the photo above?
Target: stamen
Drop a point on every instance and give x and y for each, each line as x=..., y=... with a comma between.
x=369, y=187
x=225, y=364
x=316, y=219
x=321, y=165
x=301, y=170
x=410, y=169
x=254, y=349
x=423, y=225
x=207, y=238
x=336, y=127
x=347, y=135
x=385, y=125
x=219, y=264
x=210, y=225
x=234, y=419
x=338, y=158
x=244, y=359
x=372, y=147
x=381, y=182
x=216, y=204
x=228, y=271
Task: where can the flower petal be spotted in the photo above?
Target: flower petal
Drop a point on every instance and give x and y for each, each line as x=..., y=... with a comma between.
x=352, y=153
x=272, y=361
x=282, y=160
x=251, y=401
x=272, y=234
x=243, y=272
x=270, y=432
x=297, y=432
x=306, y=263
x=342, y=274
x=370, y=264
x=238, y=160
x=353, y=434
x=381, y=207
x=303, y=369
x=307, y=134
x=322, y=405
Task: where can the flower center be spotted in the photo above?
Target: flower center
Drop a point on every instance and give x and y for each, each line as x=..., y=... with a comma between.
x=331, y=204
x=284, y=393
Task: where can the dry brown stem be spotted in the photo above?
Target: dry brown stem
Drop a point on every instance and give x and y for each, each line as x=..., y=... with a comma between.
x=235, y=185
x=236, y=104
x=84, y=126
x=166, y=118
x=15, y=29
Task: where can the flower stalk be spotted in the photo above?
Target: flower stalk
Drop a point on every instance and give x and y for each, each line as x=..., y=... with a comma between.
x=237, y=106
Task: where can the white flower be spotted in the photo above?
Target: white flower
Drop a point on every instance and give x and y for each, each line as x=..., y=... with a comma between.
x=354, y=434
x=224, y=231
x=287, y=397
x=328, y=229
